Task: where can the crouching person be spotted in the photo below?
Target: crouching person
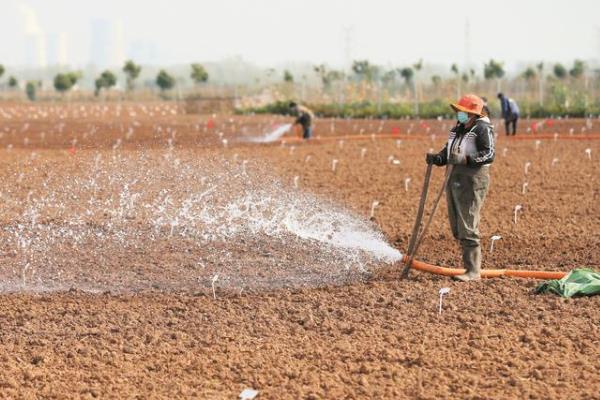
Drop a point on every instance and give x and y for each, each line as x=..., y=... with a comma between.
x=305, y=118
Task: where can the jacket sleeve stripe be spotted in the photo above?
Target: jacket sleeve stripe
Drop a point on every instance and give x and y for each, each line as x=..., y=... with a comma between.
x=490, y=153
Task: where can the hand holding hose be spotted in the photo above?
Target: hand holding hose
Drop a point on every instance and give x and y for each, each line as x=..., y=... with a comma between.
x=434, y=159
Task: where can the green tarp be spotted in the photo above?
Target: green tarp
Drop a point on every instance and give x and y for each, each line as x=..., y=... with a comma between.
x=579, y=282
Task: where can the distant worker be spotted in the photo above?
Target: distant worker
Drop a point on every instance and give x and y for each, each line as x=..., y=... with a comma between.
x=304, y=118
x=510, y=113
x=470, y=148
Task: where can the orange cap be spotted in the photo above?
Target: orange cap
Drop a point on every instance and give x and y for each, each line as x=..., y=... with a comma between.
x=469, y=103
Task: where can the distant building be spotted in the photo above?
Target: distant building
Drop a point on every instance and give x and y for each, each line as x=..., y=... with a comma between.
x=143, y=52
x=107, y=44
x=58, y=49
x=35, y=50
x=34, y=38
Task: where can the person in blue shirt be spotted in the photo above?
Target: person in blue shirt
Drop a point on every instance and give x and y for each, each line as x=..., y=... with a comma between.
x=510, y=113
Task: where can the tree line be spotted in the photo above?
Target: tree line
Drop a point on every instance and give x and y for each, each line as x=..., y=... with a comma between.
x=363, y=72
x=65, y=81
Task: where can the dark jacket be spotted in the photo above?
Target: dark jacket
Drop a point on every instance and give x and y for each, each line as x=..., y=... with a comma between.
x=477, y=143
x=305, y=117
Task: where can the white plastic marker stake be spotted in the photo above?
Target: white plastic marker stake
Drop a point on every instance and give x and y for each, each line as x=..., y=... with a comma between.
x=406, y=182
x=518, y=208
x=292, y=149
x=493, y=239
x=395, y=161
x=244, y=163
x=443, y=291
x=363, y=152
x=555, y=137
x=588, y=152
x=390, y=159
x=248, y=394
x=524, y=189
x=334, y=164
x=554, y=161
x=398, y=143
x=571, y=131
x=504, y=150
x=307, y=158
x=224, y=142
x=373, y=207
x=527, y=165
x=296, y=180
x=537, y=144
x=341, y=144
x=212, y=283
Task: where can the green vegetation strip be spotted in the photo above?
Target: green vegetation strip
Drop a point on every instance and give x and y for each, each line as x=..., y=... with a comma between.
x=433, y=109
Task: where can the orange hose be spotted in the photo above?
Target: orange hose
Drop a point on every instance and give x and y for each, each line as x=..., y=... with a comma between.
x=551, y=137
x=486, y=273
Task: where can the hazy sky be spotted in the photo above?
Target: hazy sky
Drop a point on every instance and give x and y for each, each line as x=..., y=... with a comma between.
x=272, y=32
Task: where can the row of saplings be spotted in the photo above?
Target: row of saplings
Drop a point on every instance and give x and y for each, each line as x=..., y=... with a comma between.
x=63, y=82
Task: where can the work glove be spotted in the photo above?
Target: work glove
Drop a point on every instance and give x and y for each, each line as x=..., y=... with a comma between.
x=435, y=159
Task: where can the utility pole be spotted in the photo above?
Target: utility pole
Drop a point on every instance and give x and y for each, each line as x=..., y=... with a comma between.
x=598, y=43
x=348, y=45
x=467, y=60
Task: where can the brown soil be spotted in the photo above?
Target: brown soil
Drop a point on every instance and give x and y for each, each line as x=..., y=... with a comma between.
x=292, y=318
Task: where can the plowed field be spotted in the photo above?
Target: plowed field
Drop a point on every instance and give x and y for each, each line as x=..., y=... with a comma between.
x=146, y=253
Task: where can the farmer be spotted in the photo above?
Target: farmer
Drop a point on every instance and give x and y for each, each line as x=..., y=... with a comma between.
x=470, y=149
x=304, y=117
x=510, y=113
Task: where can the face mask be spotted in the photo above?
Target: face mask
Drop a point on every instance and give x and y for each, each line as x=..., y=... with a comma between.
x=462, y=117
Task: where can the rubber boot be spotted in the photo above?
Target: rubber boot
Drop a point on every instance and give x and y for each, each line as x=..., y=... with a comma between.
x=472, y=262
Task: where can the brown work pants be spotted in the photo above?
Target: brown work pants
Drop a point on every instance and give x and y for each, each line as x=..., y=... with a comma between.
x=465, y=193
